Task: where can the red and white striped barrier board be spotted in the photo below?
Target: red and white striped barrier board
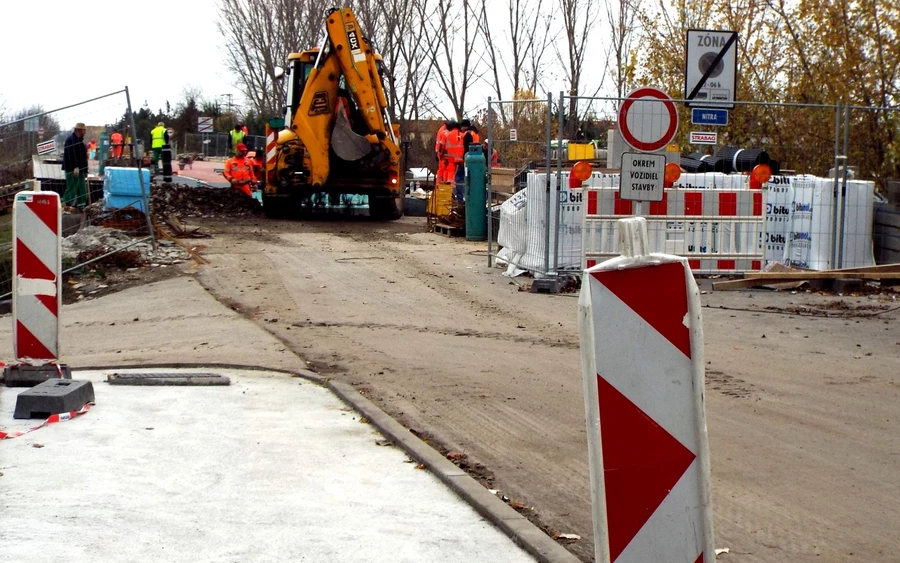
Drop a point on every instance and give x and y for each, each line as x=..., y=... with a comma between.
x=642, y=359
x=717, y=231
x=37, y=283
x=271, y=144
x=61, y=417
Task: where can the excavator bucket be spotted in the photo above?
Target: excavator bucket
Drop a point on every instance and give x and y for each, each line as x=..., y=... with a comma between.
x=346, y=143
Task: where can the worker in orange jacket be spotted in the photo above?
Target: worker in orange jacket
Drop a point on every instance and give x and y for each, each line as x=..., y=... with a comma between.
x=448, y=161
x=456, y=153
x=440, y=150
x=117, y=144
x=239, y=171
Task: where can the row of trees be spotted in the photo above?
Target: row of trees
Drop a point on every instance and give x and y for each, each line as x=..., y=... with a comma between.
x=447, y=56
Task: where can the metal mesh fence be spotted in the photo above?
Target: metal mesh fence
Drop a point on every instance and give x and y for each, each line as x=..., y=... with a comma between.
x=108, y=189
x=218, y=145
x=520, y=132
x=827, y=164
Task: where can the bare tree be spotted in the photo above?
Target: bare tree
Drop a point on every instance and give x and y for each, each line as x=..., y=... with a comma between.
x=259, y=34
x=455, y=51
x=406, y=52
x=528, y=36
x=621, y=16
x=579, y=18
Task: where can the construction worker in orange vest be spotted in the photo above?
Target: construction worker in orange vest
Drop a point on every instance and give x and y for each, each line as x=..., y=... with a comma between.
x=440, y=152
x=495, y=156
x=448, y=161
x=116, y=140
x=456, y=154
x=239, y=171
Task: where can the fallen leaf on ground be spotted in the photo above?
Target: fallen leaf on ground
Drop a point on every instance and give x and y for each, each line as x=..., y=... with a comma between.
x=383, y=442
x=420, y=466
x=37, y=445
x=453, y=456
x=518, y=505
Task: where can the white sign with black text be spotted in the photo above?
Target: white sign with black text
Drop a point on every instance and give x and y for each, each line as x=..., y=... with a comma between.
x=703, y=138
x=710, y=73
x=642, y=176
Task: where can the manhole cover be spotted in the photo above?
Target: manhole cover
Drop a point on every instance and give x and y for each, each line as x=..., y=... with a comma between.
x=167, y=379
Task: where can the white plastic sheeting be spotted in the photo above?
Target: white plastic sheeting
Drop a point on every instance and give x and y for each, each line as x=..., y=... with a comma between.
x=799, y=220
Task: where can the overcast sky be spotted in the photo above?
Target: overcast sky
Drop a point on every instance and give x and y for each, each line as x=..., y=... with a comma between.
x=59, y=52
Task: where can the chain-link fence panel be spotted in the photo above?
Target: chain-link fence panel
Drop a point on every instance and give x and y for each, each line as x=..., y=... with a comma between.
x=871, y=144
x=218, y=145
x=521, y=204
x=87, y=154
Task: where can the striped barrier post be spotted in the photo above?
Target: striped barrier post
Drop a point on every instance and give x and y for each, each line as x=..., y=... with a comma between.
x=37, y=282
x=271, y=138
x=643, y=373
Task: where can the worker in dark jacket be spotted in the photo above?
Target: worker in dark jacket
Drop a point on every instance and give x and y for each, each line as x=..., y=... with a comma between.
x=75, y=164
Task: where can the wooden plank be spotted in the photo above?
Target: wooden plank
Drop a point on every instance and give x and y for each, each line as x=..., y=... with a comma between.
x=784, y=277
x=829, y=275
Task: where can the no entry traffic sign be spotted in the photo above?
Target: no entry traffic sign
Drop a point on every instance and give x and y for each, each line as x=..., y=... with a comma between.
x=648, y=120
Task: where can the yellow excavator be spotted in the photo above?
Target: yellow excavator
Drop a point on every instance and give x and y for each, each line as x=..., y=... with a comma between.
x=336, y=137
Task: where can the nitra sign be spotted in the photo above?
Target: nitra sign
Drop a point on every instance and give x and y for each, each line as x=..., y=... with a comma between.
x=710, y=73
x=642, y=176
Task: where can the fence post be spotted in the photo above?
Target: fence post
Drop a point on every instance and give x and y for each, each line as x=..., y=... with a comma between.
x=145, y=192
x=548, y=167
x=559, y=141
x=490, y=199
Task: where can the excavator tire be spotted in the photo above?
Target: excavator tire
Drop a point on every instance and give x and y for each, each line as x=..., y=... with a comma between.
x=385, y=208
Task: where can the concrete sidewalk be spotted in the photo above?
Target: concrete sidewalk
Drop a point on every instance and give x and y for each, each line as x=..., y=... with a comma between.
x=273, y=467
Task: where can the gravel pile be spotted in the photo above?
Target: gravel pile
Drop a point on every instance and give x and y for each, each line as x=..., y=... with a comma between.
x=201, y=202
x=92, y=242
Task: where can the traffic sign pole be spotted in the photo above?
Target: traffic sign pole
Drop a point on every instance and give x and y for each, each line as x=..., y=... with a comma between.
x=643, y=373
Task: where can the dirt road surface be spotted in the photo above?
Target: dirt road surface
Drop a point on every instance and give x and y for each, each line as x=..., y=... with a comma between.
x=803, y=411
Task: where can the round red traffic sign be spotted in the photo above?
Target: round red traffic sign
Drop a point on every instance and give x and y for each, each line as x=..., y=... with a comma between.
x=648, y=120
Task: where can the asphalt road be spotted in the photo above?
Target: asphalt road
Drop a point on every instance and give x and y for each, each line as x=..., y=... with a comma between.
x=802, y=389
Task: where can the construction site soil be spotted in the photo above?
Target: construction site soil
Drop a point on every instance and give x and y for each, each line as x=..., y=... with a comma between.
x=802, y=386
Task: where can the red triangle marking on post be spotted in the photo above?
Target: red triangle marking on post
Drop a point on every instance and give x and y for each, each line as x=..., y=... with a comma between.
x=48, y=214
x=658, y=295
x=28, y=265
x=51, y=302
x=699, y=559
x=28, y=346
x=641, y=464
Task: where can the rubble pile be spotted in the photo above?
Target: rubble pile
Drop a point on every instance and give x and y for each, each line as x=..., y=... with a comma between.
x=210, y=203
x=92, y=242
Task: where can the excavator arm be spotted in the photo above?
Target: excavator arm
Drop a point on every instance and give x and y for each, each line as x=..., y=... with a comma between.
x=339, y=138
x=322, y=123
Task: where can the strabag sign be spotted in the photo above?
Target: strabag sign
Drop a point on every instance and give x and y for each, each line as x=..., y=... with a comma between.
x=642, y=176
x=703, y=138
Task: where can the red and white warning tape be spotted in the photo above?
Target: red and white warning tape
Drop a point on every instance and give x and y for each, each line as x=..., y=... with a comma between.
x=61, y=417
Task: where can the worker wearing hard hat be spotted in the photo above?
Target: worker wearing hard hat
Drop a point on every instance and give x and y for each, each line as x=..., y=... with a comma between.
x=158, y=137
x=239, y=171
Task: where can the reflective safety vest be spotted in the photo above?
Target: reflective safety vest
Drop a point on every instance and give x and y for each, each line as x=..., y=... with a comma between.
x=454, y=145
x=158, y=136
x=236, y=138
x=440, y=139
x=239, y=170
x=116, y=139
